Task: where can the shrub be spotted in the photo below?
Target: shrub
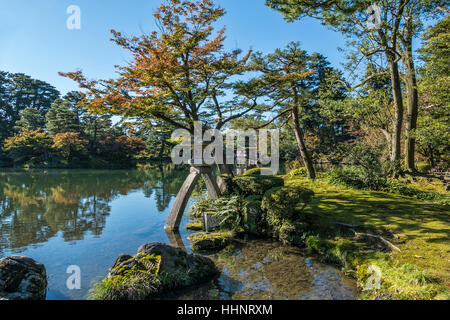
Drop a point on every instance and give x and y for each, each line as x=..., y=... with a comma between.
x=354, y=177
x=202, y=206
x=365, y=158
x=395, y=186
x=366, y=171
x=282, y=207
x=228, y=182
x=28, y=147
x=286, y=202
x=232, y=212
x=255, y=185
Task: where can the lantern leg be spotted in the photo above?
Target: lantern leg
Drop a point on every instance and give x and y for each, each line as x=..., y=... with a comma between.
x=183, y=196
x=177, y=210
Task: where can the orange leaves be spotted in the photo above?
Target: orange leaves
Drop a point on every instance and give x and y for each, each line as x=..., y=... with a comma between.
x=72, y=139
x=122, y=147
x=67, y=143
x=173, y=71
x=294, y=76
x=27, y=139
x=28, y=145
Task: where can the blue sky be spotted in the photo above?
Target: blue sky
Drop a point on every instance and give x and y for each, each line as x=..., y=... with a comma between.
x=34, y=38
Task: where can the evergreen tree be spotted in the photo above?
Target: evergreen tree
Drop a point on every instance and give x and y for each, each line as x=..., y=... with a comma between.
x=31, y=119
x=433, y=132
x=18, y=92
x=61, y=118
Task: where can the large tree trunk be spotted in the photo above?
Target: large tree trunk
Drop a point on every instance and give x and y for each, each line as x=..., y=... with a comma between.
x=301, y=145
x=300, y=139
x=398, y=117
x=412, y=102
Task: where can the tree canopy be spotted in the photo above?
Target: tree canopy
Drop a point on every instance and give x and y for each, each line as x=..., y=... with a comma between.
x=179, y=74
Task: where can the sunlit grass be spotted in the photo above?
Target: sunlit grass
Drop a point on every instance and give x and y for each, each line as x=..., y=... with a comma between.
x=425, y=226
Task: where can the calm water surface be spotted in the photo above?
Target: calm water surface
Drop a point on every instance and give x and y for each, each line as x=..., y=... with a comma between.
x=88, y=217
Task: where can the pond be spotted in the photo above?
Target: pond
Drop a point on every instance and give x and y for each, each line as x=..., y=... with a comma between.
x=87, y=218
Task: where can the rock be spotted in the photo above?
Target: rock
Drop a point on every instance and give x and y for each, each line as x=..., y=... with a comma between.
x=122, y=258
x=203, y=241
x=22, y=278
x=176, y=261
x=154, y=270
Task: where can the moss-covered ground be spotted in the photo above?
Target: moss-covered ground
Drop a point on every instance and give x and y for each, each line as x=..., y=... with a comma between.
x=420, y=229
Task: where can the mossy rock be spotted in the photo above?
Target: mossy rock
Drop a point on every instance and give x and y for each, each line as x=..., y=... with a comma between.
x=195, y=226
x=215, y=241
x=154, y=270
x=255, y=185
x=22, y=278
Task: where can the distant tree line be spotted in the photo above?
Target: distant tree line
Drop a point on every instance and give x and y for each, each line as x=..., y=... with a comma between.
x=39, y=128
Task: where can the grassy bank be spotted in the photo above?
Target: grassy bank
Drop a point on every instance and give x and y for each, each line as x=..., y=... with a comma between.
x=420, y=229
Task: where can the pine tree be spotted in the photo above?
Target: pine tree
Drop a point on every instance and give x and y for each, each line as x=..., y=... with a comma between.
x=61, y=118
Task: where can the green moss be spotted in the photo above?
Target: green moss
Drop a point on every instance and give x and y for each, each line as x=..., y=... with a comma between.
x=195, y=226
x=396, y=281
x=419, y=271
x=141, y=278
x=204, y=241
x=137, y=282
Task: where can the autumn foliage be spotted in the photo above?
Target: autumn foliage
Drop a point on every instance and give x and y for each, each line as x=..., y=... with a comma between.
x=28, y=146
x=177, y=75
x=122, y=147
x=69, y=144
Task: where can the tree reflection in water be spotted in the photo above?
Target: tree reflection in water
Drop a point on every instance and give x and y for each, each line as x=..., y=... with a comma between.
x=36, y=205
